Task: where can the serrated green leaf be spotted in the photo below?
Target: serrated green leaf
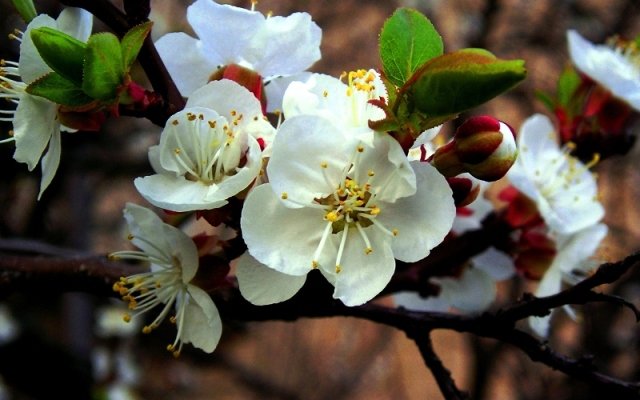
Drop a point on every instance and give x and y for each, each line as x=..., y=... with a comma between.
x=459, y=81
x=26, y=9
x=545, y=99
x=132, y=43
x=567, y=84
x=407, y=41
x=63, y=53
x=57, y=89
x=103, y=67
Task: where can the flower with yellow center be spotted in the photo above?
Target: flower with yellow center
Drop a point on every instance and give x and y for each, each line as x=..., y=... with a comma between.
x=342, y=206
x=173, y=257
x=563, y=188
x=209, y=151
x=35, y=121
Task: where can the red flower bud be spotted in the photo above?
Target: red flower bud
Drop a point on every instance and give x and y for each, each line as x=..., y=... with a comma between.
x=246, y=77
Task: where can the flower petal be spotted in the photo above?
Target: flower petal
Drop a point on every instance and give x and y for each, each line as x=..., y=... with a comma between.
x=33, y=125
x=31, y=65
x=75, y=22
x=282, y=238
x=422, y=220
x=50, y=162
x=202, y=324
x=495, y=263
x=473, y=291
x=191, y=70
x=262, y=285
x=176, y=193
x=413, y=301
x=275, y=89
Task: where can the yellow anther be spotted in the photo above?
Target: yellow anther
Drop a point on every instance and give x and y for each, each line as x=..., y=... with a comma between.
x=225, y=128
x=201, y=117
x=359, y=203
x=130, y=236
x=368, y=250
x=323, y=165
x=116, y=287
x=170, y=347
x=360, y=149
x=325, y=93
x=126, y=317
x=144, y=291
x=212, y=124
x=176, y=353
x=370, y=173
x=395, y=232
x=277, y=113
x=177, y=151
x=374, y=210
x=233, y=113
x=123, y=291
x=147, y=330
x=332, y=216
x=255, y=118
x=261, y=173
x=158, y=284
x=570, y=145
x=338, y=269
x=269, y=14
x=191, y=117
x=172, y=319
x=314, y=264
x=284, y=196
x=349, y=92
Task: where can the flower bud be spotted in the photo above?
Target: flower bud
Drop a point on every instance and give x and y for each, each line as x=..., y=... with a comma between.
x=482, y=146
x=465, y=190
x=246, y=77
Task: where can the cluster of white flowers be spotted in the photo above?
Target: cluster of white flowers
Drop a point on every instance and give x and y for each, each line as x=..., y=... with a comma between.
x=321, y=191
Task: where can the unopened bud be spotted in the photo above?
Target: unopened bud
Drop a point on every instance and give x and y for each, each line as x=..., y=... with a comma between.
x=243, y=76
x=465, y=189
x=482, y=146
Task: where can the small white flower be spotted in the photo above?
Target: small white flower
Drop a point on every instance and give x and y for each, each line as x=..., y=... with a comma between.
x=35, y=122
x=563, y=188
x=174, y=262
x=615, y=67
x=273, y=46
x=209, y=151
x=571, y=265
x=345, y=207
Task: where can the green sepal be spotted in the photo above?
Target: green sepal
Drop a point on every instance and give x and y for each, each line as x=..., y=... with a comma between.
x=408, y=39
x=62, y=53
x=103, y=67
x=459, y=81
x=59, y=90
x=26, y=9
x=567, y=84
x=132, y=43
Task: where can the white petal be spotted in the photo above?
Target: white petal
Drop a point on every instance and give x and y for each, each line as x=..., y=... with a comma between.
x=362, y=276
x=213, y=24
x=50, y=162
x=33, y=125
x=302, y=145
x=549, y=285
x=262, y=285
x=202, y=324
x=275, y=89
x=31, y=65
x=293, y=45
x=495, y=263
x=75, y=22
x=176, y=193
x=190, y=70
x=282, y=238
x=474, y=291
x=422, y=220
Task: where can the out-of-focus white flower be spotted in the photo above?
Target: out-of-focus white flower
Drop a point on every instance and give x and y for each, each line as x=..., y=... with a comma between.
x=562, y=187
x=571, y=265
x=614, y=66
x=209, y=151
x=273, y=46
x=35, y=121
x=174, y=262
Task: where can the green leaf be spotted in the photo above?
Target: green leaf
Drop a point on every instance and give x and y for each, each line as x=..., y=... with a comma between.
x=132, y=43
x=57, y=89
x=546, y=100
x=636, y=41
x=407, y=41
x=62, y=53
x=567, y=84
x=103, y=67
x=459, y=81
x=26, y=9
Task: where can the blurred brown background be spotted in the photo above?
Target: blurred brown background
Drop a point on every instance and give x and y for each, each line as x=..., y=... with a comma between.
x=335, y=358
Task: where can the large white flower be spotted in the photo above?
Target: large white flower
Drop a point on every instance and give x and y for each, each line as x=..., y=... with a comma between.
x=345, y=207
x=570, y=265
x=209, y=151
x=273, y=46
x=563, y=188
x=615, y=67
x=174, y=262
x=35, y=121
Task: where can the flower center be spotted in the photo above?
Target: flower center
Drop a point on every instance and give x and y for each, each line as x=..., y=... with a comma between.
x=213, y=152
x=361, y=89
x=352, y=205
x=146, y=290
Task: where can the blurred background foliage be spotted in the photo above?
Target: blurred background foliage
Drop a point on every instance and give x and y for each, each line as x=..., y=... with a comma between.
x=74, y=344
